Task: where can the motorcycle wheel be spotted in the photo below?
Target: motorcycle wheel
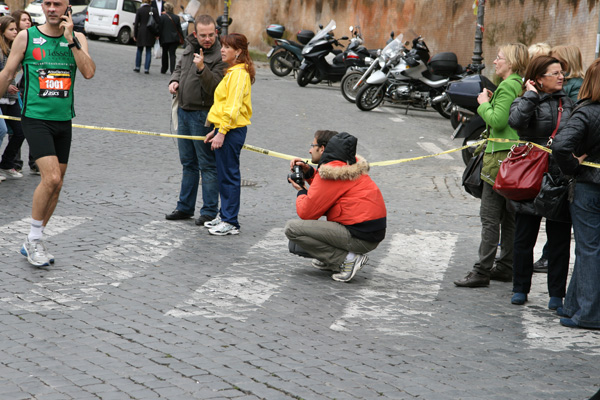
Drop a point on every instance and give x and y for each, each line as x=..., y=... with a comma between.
x=369, y=97
x=473, y=136
x=444, y=108
x=347, y=85
x=306, y=75
x=278, y=67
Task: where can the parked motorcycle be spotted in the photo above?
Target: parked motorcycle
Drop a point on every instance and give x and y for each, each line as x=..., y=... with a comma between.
x=408, y=78
x=463, y=95
x=357, y=59
x=317, y=52
x=286, y=55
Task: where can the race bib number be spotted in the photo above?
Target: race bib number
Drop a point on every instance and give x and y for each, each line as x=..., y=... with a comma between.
x=54, y=82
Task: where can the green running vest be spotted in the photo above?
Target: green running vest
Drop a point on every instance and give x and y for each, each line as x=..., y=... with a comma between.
x=49, y=71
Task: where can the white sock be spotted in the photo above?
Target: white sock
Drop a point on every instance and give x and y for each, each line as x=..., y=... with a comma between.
x=350, y=256
x=36, y=231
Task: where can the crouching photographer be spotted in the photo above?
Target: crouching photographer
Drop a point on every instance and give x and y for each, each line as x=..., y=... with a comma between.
x=340, y=189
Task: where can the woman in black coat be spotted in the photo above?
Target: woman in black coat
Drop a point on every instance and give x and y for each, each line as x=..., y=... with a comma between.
x=170, y=37
x=534, y=116
x=142, y=35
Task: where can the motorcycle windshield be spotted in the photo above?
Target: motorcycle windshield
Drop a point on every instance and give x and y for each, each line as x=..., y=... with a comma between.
x=393, y=47
x=323, y=32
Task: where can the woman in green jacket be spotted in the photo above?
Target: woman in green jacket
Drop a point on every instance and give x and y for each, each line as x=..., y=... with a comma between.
x=497, y=222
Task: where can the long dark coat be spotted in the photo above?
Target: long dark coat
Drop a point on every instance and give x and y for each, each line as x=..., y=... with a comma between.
x=140, y=31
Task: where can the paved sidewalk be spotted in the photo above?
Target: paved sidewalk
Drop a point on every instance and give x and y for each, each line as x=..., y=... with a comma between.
x=137, y=307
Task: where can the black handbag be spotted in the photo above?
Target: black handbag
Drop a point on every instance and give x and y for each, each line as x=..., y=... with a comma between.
x=553, y=200
x=471, y=179
x=152, y=25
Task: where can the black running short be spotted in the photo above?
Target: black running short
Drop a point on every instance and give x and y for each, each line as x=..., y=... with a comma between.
x=48, y=138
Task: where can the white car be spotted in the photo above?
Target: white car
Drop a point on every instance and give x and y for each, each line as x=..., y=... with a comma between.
x=4, y=11
x=37, y=15
x=112, y=19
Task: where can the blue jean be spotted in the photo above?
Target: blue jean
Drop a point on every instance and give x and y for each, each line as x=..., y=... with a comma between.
x=228, y=173
x=138, y=57
x=196, y=159
x=3, y=130
x=582, y=301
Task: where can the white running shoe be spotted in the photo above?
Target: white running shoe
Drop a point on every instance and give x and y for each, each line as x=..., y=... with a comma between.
x=224, y=228
x=2, y=178
x=36, y=252
x=349, y=268
x=213, y=223
x=11, y=173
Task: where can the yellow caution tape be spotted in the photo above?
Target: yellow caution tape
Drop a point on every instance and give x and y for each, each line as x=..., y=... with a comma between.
x=290, y=157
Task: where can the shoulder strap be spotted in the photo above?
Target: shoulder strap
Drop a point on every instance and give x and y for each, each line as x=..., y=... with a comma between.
x=560, y=111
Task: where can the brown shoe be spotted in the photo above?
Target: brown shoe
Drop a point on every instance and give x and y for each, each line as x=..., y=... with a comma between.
x=474, y=279
x=502, y=276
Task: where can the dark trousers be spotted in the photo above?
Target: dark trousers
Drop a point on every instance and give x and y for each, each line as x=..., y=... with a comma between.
x=228, y=174
x=559, y=247
x=16, y=139
x=168, y=57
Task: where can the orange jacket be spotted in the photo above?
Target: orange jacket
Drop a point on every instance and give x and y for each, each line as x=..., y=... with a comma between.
x=345, y=194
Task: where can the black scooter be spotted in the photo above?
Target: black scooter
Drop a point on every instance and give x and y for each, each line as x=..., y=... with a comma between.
x=315, y=63
x=463, y=95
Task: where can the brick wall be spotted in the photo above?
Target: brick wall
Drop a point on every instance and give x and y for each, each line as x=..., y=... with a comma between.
x=446, y=25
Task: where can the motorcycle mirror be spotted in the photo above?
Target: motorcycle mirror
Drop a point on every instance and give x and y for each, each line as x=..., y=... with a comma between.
x=392, y=34
x=181, y=7
x=344, y=38
x=320, y=26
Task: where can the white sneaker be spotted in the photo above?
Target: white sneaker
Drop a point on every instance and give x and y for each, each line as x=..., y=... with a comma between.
x=2, y=178
x=349, y=268
x=11, y=173
x=224, y=228
x=36, y=252
x=213, y=223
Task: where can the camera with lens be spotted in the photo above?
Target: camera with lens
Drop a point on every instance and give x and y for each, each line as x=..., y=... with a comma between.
x=297, y=175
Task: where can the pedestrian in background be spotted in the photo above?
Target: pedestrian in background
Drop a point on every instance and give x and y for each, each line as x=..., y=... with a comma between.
x=579, y=141
x=9, y=103
x=231, y=115
x=196, y=76
x=23, y=20
x=170, y=36
x=539, y=49
x=572, y=63
x=534, y=116
x=143, y=37
x=497, y=222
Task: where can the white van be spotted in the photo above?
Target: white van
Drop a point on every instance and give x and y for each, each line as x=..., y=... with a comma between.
x=112, y=19
x=37, y=15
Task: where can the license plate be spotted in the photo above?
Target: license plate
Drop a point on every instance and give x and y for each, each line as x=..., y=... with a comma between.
x=270, y=53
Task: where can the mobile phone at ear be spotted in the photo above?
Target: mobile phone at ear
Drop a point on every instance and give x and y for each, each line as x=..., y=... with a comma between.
x=69, y=10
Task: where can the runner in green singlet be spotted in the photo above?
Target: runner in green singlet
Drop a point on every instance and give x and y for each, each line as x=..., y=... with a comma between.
x=50, y=54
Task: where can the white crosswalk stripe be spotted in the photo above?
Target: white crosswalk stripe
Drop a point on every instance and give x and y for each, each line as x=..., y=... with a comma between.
x=139, y=250
x=403, y=284
x=236, y=296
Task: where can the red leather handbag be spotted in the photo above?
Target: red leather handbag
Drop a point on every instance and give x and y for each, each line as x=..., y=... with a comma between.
x=521, y=173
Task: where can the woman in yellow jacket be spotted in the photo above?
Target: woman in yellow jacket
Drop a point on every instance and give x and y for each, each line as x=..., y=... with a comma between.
x=230, y=113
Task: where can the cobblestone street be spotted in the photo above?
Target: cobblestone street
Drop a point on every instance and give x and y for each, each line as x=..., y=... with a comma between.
x=137, y=307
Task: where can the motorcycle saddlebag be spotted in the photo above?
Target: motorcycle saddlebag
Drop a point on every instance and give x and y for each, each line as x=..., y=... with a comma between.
x=464, y=93
x=444, y=64
x=304, y=36
x=275, y=31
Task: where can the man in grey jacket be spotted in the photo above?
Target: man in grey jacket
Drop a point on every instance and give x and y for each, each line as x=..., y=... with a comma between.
x=194, y=80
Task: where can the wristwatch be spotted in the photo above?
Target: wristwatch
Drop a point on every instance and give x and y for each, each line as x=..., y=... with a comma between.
x=75, y=43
